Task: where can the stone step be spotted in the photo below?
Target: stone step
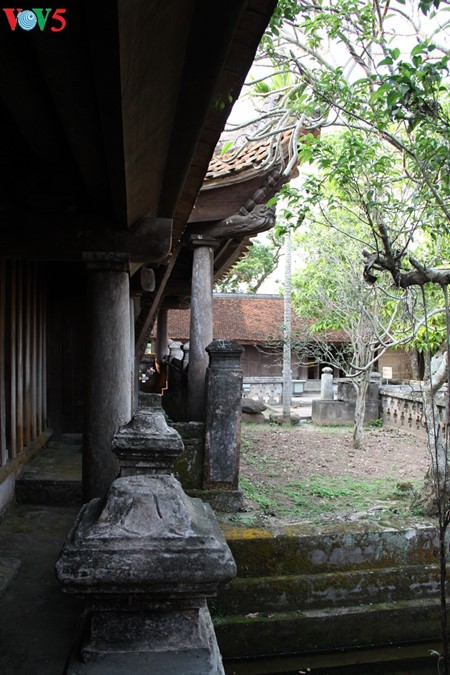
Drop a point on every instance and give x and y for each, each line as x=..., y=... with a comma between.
x=404, y=659
x=332, y=589
x=304, y=589
x=297, y=549
x=311, y=631
x=53, y=476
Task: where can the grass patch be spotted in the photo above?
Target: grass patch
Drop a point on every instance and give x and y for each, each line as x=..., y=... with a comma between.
x=324, y=498
x=256, y=493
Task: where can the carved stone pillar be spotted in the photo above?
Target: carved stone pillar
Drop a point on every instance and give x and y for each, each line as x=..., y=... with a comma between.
x=326, y=384
x=201, y=326
x=223, y=425
x=109, y=367
x=145, y=560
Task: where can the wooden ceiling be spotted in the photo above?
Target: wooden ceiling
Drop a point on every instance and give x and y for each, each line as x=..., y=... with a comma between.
x=114, y=119
x=109, y=126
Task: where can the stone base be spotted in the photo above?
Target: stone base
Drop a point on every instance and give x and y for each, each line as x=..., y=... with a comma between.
x=156, y=642
x=228, y=501
x=333, y=413
x=145, y=558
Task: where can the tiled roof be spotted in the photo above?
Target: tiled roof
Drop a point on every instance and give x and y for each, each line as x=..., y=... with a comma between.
x=240, y=163
x=248, y=319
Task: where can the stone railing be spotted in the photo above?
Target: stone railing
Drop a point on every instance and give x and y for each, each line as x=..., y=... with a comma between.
x=401, y=408
x=270, y=389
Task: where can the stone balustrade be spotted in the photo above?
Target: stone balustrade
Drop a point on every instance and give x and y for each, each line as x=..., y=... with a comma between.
x=401, y=408
x=270, y=389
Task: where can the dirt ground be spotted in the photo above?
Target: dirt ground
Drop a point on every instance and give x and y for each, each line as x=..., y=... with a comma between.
x=310, y=451
x=279, y=465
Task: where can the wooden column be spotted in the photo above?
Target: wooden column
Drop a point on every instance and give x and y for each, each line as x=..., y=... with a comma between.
x=161, y=335
x=108, y=373
x=201, y=326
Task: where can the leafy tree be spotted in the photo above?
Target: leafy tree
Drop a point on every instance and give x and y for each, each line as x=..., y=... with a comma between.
x=249, y=273
x=330, y=292
x=379, y=70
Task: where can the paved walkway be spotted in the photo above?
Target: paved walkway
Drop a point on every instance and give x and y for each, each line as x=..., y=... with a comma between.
x=37, y=620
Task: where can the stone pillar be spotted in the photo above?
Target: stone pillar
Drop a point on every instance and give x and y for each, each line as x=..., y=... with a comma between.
x=145, y=560
x=201, y=326
x=326, y=384
x=223, y=425
x=108, y=367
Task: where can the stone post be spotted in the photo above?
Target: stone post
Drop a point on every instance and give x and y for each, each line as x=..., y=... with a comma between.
x=201, y=326
x=326, y=384
x=223, y=425
x=108, y=367
x=145, y=560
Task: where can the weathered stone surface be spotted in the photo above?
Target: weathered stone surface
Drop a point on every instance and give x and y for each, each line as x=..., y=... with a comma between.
x=228, y=500
x=169, y=643
x=341, y=412
x=376, y=582
x=146, y=444
x=277, y=418
x=252, y=407
x=257, y=418
x=145, y=559
x=201, y=325
x=223, y=415
x=148, y=537
x=346, y=390
x=188, y=467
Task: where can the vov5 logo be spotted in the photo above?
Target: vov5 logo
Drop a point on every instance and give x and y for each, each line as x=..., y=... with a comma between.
x=28, y=19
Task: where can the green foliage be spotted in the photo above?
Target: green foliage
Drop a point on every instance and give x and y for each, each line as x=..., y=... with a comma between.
x=350, y=69
x=247, y=275
x=380, y=182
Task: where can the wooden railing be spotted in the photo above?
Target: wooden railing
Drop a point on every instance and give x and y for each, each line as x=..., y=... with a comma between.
x=23, y=385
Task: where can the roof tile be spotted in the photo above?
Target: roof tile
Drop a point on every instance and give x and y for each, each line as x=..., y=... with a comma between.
x=248, y=319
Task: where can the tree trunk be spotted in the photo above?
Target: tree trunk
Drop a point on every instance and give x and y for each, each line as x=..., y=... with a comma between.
x=426, y=366
x=415, y=364
x=360, y=409
x=287, y=368
x=435, y=492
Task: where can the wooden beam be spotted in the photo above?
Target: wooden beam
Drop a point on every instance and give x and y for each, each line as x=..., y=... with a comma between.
x=65, y=237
